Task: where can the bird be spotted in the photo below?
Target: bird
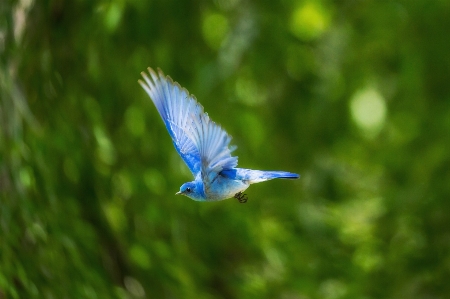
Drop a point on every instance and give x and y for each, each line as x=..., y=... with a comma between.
x=202, y=144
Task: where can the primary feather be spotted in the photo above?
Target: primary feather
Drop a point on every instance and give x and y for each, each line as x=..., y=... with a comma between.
x=202, y=143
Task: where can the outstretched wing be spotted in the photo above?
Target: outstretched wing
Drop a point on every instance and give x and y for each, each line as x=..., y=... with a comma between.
x=203, y=145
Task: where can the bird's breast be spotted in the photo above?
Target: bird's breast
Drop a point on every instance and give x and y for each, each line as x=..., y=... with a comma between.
x=223, y=188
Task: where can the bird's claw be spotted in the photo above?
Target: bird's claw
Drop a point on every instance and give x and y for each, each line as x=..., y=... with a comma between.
x=242, y=198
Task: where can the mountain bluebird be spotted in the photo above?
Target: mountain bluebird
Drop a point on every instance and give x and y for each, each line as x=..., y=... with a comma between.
x=202, y=144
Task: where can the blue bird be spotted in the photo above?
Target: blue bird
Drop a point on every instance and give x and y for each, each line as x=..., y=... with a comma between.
x=202, y=144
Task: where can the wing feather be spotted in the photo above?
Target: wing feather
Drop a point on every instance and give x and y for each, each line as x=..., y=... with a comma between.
x=202, y=144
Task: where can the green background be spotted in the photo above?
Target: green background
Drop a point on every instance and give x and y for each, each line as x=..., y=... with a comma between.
x=353, y=95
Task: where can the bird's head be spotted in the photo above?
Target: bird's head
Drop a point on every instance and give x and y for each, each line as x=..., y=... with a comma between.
x=192, y=190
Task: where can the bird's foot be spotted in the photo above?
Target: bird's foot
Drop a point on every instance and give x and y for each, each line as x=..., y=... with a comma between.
x=242, y=198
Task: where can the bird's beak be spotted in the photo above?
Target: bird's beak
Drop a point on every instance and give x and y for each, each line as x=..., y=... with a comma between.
x=178, y=193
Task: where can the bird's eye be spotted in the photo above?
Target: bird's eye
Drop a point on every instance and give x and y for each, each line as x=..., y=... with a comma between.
x=188, y=189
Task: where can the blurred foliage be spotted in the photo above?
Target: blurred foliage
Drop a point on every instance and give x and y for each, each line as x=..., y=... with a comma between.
x=353, y=95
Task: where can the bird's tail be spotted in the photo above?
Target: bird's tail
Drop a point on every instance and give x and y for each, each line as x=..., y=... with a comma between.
x=279, y=175
x=257, y=176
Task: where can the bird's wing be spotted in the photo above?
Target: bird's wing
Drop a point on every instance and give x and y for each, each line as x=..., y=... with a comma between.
x=202, y=144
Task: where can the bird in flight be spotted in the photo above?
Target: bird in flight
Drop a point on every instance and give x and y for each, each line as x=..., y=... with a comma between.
x=202, y=144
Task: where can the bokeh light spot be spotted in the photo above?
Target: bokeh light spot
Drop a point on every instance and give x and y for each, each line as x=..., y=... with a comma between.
x=309, y=21
x=26, y=176
x=113, y=15
x=368, y=110
x=367, y=258
x=116, y=216
x=215, y=29
x=105, y=150
x=140, y=257
x=134, y=287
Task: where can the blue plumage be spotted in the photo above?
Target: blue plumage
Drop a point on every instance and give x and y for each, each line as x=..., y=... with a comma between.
x=202, y=144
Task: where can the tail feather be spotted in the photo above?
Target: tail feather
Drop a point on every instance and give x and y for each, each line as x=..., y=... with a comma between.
x=256, y=176
x=280, y=174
